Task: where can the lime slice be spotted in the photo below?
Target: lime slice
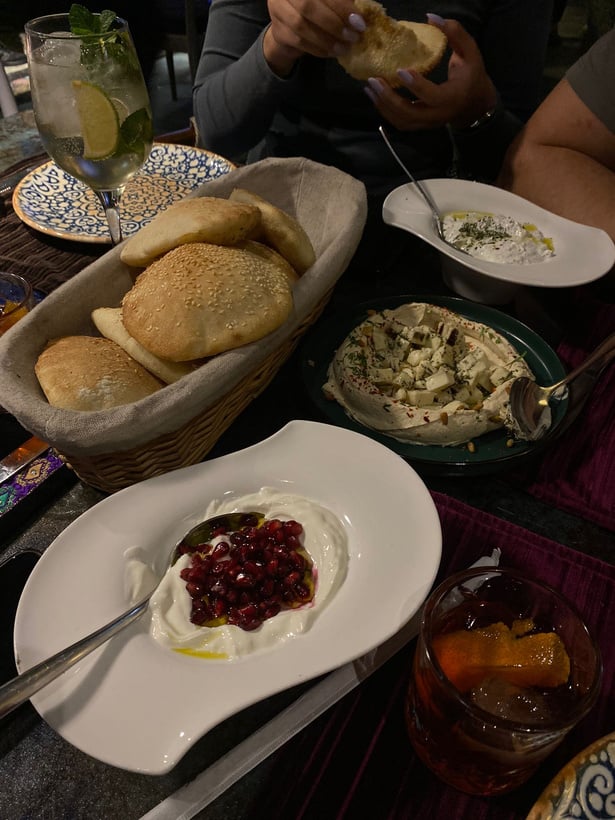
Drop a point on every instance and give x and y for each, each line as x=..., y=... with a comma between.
x=100, y=127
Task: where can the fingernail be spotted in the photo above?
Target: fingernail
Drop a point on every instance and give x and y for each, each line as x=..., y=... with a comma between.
x=339, y=49
x=375, y=85
x=370, y=94
x=436, y=19
x=356, y=22
x=349, y=35
x=405, y=76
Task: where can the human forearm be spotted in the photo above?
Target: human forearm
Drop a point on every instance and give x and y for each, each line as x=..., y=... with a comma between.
x=564, y=181
x=234, y=106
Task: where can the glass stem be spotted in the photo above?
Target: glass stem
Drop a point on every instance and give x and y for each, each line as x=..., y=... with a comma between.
x=110, y=201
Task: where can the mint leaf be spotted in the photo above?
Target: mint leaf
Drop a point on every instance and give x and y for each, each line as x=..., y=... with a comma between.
x=85, y=23
x=106, y=20
x=82, y=21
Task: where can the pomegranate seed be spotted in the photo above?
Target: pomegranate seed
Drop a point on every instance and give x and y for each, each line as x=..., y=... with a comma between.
x=221, y=549
x=251, y=575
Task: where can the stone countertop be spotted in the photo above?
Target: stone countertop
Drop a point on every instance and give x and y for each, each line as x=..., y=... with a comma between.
x=19, y=139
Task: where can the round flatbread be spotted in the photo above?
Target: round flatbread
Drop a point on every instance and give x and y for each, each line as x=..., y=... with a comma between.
x=89, y=373
x=200, y=299
x=280, y=230
x=199, y=219
x=109, y=322
x=272, y=256
x=388, y=45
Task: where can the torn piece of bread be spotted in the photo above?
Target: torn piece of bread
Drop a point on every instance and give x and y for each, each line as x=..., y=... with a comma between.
x=280, y=230
x=199, y=219
x=201, y=299
x=109, y=323
x=88, y=373
x=388, y=45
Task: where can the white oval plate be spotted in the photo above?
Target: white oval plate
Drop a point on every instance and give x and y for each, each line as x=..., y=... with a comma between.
x=138, y=706
x=55, y=203
x=582, y=254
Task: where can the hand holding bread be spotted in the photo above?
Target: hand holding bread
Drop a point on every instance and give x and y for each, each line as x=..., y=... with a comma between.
x=388, y=45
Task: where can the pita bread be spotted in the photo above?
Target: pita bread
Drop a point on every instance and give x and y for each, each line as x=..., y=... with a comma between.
x=89, y=373
x=199, y=219
x=200, y=299
x=109, y=323
x=280, y=230
x=388, y=45
x=272, y=256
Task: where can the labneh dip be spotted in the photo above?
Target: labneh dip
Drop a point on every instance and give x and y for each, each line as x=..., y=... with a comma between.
x=422, y=373
x=496, y=238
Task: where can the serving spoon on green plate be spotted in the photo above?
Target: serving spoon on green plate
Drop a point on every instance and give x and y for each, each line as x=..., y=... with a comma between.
x=22, y=687
x=530, y=403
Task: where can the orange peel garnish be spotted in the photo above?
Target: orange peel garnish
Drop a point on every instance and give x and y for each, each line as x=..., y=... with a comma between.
x=468, y=657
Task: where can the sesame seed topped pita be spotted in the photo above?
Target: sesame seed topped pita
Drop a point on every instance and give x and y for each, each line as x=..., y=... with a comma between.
x=201, y=299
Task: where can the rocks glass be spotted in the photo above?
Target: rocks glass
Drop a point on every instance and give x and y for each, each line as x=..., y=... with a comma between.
x=15, y=299
x=504, y=668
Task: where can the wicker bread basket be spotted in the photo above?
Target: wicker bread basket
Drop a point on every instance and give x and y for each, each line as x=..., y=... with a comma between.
x=178, y=425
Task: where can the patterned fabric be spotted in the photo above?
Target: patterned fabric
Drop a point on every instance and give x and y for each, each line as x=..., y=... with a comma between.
x=356, y=761
x=27, y=480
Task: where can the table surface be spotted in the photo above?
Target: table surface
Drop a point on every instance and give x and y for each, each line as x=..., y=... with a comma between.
x=31, y=754
x=19, y=139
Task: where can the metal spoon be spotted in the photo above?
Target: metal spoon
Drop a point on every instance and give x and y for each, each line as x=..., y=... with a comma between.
x=529, y=402
x=437, y=218
x=22, y=687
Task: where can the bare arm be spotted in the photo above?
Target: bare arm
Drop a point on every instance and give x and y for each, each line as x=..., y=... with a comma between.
x=564, y=160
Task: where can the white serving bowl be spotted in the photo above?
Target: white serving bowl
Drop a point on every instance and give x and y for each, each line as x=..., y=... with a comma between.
x=582, y=254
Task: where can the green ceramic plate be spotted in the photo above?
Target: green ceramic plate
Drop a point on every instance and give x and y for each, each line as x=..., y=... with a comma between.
x=492, y=453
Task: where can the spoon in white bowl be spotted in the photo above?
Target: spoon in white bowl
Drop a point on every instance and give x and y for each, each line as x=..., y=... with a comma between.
x=529, y=402
x=437, y=217
x=22, y=687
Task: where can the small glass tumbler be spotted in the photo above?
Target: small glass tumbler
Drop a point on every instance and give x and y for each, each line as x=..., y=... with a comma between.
x=504, y=668
x=15, y=299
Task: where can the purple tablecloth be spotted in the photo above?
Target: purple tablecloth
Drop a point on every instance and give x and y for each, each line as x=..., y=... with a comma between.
x=578, y=474
x=356, y=761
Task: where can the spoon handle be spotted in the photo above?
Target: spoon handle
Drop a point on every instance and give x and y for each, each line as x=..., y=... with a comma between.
x=426, y=195
x=22, y=687
x=595, y=362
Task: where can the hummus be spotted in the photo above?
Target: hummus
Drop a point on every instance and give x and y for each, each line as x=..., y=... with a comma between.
x=496, y=238
x=421, y=373
x=325, y=542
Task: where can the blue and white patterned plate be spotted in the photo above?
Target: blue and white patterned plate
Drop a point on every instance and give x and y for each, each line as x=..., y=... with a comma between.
x=57, y=204
x=584, y=789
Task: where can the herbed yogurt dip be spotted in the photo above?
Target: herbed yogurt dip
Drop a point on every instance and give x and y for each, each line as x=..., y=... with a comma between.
x=496, y=238
x=422, y=373
x=325, y=541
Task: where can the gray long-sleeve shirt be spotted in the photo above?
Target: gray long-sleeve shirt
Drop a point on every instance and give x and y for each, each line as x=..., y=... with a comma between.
x=241, y=107
x=592, y=78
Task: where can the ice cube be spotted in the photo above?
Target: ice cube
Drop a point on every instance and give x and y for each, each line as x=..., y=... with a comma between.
x=505, y=700
x=59, y=52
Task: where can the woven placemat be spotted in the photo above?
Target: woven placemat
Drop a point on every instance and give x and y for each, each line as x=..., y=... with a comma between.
x=46, y=262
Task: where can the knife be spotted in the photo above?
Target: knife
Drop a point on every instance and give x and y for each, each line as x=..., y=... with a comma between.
x=10, y=179
x=21, y=456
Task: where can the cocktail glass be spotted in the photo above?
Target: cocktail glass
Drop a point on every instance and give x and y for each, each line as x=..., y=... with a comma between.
x=90, y=102
x=504, y=668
